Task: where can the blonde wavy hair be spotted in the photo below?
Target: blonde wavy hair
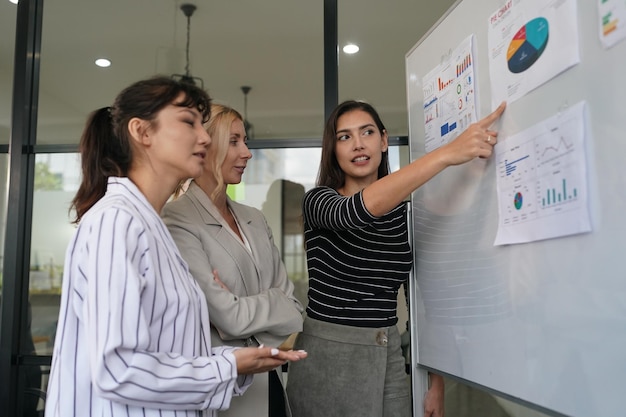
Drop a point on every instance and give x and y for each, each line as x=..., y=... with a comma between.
x=218, y=126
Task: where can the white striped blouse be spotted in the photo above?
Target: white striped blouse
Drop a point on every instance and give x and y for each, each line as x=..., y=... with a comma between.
x=133, y=333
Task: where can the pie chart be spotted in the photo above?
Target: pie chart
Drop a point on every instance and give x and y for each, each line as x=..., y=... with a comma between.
x=517, y=201
x=527, y=45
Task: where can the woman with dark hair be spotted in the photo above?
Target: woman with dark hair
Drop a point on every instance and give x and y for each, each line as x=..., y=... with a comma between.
x=133, y=331
x=358, y=256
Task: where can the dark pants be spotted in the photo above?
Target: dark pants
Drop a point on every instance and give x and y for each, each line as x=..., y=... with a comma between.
x=277, y=397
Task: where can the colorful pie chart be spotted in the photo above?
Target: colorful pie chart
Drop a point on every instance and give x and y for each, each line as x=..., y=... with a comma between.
x=527, y=45
x=517, y=201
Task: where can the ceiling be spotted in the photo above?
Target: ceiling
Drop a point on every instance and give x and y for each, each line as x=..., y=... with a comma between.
x=273, y=46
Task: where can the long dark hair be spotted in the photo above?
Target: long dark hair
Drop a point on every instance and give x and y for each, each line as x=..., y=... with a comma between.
x=105, y=145
x=330, y=173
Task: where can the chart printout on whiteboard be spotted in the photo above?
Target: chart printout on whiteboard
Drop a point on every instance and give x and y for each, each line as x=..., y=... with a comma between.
x=530, y=42
x=450, y=96
x=612, y=15
x=542, y=180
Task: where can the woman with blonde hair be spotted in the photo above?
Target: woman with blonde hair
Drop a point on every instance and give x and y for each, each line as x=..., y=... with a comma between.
x=231, y=253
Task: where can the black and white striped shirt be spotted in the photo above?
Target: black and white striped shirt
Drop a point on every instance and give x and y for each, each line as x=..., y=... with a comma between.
x=133, y=334
x=356, y=261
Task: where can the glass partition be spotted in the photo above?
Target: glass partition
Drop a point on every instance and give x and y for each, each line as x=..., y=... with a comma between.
x=57, y=177
x=4, y=173
x=8, y=14
x=273, y=47
x=462, y=400
x=384, y=31
x=275, y=182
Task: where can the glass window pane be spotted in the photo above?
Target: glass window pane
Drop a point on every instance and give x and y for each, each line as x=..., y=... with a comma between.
x=275, y=47
x=384, y=31
x=4, y=182
x=463, y=400
x=8, y=14
x=274, y=182
x=57, y=177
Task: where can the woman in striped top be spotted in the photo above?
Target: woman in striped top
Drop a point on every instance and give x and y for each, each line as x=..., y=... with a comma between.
x=358, y=256
x=133, y=330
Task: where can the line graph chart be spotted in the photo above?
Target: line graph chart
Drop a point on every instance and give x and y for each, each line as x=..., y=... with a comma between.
x=542, y=176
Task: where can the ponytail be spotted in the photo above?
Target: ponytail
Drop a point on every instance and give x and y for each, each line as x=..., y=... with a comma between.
x=106, y=144
x=102, y=155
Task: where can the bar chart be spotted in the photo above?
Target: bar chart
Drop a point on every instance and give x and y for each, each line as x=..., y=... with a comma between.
x=553, y=195
x=541, y=175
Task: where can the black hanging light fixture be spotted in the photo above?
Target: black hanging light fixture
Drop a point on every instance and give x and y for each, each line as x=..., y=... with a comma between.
x=246, y=123
x=188, y=10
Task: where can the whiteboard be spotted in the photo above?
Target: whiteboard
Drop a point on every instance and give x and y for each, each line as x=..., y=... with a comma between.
x=542, y=322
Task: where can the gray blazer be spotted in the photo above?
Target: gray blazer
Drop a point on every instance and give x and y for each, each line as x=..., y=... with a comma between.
x=260, y=301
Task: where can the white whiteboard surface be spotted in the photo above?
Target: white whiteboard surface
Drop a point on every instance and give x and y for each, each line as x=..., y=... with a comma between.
x=543, y=322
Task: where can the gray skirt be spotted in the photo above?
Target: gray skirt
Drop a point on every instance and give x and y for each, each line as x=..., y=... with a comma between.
x=349, y=372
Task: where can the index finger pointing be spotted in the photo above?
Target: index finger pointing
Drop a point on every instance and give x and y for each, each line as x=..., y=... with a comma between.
x=495, y=115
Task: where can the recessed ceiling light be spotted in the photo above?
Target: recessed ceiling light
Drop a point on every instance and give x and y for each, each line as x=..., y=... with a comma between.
x=351, y=48
x=103, y=62
x=14, y=1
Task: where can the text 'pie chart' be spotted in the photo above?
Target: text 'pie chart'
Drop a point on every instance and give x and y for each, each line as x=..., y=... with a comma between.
x=527, y=45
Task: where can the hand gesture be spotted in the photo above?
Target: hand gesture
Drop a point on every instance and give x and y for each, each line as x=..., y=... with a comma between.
x=263, y=359
x=477, y=140
x=433, y=399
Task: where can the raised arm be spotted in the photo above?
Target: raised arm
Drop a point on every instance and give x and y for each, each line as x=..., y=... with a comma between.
x=476, y=141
